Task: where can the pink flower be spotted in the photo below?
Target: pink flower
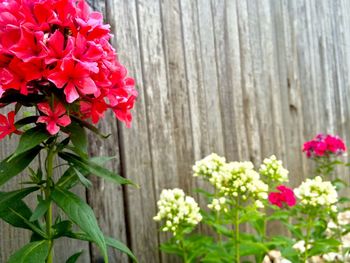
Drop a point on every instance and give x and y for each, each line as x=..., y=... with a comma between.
x=30, y=46
x=75, y=78
x=54, y=118
x=47, y=45
x=122, y=110
x=285, y=196
x=324, y=145
x=57, y=50
x=94, y=109
x=7, y=125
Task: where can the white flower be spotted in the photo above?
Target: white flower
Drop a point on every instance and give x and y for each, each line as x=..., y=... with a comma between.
x=209, y=166
x=272, y=169
x=332, y=257
x=300, y=246
x=177, y=210
x=315, y=192
x=219, y=204
x=344, y=217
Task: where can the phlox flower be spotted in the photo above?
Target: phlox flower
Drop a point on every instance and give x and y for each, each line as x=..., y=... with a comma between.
x=62, y=48
x=7, y=125
x=54, y=118
x=317, y=193
x=273, y=170
x=285, y=196
x=74, y=78
x=177, y=210
x=209, y=165
x=324, y=145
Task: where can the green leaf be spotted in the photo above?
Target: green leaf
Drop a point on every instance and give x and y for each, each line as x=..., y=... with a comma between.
x=35, y=252
x=90, y=127
x=252, y=248
x=25, y=121
x=81, y=214
x=120, y=246
x=86, y=182
x=93, y=168
x=78, y=136
x=8, y=198
x=10, y=168
x=74, y=257
x=40, y=210
x=30, y=139
x=19, y=207
x=62, y=228
x=109, y=241
x=70, y=178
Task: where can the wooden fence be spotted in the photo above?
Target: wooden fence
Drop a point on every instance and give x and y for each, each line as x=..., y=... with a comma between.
x=242, y=78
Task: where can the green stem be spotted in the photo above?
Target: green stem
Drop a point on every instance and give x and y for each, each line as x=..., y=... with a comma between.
x=307, y=237
x=236, y=234
x=184, y=252
x=48, y=217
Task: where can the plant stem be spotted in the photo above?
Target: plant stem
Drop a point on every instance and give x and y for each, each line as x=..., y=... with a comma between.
x=49, y=174
x=236, y=234
x=307, y=237
x=184, y=252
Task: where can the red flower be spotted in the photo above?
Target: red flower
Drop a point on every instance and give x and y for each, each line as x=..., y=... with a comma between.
x=7, y=125
x=47, y=45
x=285, y=196
x=20, y=73
x=75, y=78
x=54, y=118
x=122, y=110
x=56, y=47
x=30, y=46
x=94, y=109
x=323, y=145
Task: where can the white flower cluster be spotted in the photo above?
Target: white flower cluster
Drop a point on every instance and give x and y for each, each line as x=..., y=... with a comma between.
x=219, y=204
x=240, y=179
x=273, y=170
x=300, y=246
x=315, y=192
x=208, y=166
x=343, y=219
x=177, y=210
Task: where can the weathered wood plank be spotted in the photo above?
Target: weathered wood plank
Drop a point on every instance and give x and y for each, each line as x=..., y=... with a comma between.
x=106, y=198
x=135, y=147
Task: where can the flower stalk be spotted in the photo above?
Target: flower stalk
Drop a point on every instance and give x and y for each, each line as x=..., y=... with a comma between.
x=49, y=175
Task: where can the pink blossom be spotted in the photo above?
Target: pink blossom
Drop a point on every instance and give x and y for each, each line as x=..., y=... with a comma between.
x=7, y=125
x=324, y=145
x=74, y=78
x=285, y=196
x=54, y=117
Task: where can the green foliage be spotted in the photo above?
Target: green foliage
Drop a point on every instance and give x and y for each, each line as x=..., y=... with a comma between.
x=93, y=168
x=308, y=226
x=10, y=168
x=35, y=252
x=74, y=257
x=81, y=214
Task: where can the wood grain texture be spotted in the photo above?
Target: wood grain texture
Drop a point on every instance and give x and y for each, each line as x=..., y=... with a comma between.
x=243, y=78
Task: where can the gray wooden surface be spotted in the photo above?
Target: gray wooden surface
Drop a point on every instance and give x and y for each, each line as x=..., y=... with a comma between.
x=243, y=78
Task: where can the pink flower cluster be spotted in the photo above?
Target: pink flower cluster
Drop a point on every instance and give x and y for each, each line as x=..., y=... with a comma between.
x=285, y=196
x=324, y=145
x=60, y=48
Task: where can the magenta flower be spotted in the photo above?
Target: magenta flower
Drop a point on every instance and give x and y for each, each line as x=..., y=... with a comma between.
x=7, y=125
x=74, y=78
x=285, y=196
x=55, y=118
x=324, y=145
